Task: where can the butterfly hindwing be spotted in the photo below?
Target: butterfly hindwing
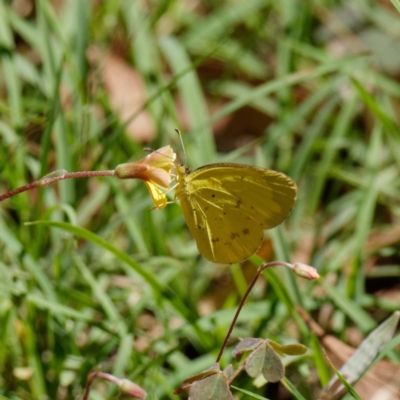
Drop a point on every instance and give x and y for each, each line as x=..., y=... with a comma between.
x=224, y=235
x=227, y=207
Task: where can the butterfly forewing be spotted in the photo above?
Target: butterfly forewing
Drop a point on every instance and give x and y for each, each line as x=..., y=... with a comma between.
x=267, y=195
x=224, y=236
x=227, y=207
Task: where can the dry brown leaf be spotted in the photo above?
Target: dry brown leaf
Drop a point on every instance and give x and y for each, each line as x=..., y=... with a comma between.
x=381, y=382
x=149, y=324
x=380, y=239
x=391, y=294
x=24, y=8
x=127, y=95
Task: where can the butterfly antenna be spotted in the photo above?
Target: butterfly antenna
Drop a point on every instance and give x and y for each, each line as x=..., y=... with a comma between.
x=150, y=150
x=183, y=146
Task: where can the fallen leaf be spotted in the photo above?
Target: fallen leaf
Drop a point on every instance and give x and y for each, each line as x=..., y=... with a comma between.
x=381, y=382
x=127, y=94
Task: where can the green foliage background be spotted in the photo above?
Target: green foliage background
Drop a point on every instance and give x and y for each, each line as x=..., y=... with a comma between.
x=109, y=282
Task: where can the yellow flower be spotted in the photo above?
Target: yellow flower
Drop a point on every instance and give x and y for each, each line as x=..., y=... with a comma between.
x=154, y=170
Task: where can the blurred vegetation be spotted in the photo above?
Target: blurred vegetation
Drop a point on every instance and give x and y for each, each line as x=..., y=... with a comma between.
x=310, y=88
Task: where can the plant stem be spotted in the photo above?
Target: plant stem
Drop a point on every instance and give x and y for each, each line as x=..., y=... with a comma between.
x=258, y=273
x=50, y=179
x=98, y=374
x=21, y=189
x=236, y=373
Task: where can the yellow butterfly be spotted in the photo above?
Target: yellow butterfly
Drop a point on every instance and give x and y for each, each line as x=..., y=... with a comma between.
x=227, y=207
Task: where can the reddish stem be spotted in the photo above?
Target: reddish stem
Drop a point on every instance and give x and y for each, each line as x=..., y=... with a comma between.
x=21, y=189
x=258, y=273
x=45, y=181
x=236, y=373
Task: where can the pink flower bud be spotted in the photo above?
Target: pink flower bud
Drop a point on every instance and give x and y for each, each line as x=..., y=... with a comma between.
x=305, y=271
x=131, y=389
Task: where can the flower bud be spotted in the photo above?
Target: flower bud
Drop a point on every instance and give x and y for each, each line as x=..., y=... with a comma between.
x=154, y=170
x=305, y=271
x=131, y=389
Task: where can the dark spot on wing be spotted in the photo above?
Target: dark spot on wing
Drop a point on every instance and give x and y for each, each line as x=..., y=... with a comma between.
x=245, y=231
x=206, y=208
x=215, y=240
x=238, y=203
x=213, y=195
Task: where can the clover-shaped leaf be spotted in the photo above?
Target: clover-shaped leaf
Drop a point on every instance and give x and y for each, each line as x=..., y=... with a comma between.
x=214, y=369
x=264, y=360
x=294, y=349
x=214, y=387
x=211, y=384
x=188, y=382
x=245, y=345
x=228, y=371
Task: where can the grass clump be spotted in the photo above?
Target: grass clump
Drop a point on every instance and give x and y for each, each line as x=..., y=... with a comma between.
x=309, y=89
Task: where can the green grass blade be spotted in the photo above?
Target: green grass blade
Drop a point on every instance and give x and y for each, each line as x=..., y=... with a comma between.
x=157, y=287
x=276, y=85
x=203, y=150
x=352, y=310
x=292, y=389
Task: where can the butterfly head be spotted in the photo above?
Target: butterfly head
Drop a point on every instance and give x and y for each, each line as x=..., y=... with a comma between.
x=181, y=172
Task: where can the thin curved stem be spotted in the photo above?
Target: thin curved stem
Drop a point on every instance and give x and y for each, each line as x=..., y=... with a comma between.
x=258, y=273
x=50, y=179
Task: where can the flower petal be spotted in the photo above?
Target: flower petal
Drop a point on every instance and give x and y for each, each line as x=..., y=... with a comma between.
x=158, y=196
x=154, y=170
